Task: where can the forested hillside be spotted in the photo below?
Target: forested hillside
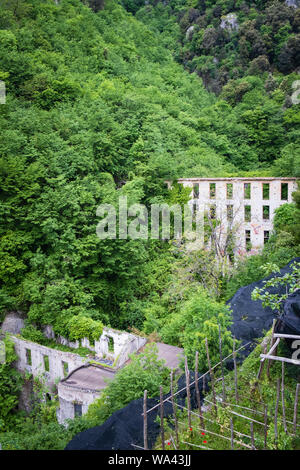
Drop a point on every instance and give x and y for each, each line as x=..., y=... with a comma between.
x=93, y=101
x=226, y=39
x=97, y=107
x=111, y=98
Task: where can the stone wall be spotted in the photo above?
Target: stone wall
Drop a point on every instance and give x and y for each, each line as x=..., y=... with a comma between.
x=122, y=344
x=68, y=396
x=38, y=353
x=53, y=365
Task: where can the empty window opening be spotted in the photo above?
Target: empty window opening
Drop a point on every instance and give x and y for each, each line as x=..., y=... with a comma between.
x=266, y=236
x=229, y=190
x=266, y=190
x=212, y=211
x=46, y=363
x=77, y=409
x=247, y=190
x=229, y=212
x=266, y=212
x=65, y=368
x=248, y=239
x=195, y=207
x=247, y=213
x=110, y=344
x=196, y=190
x=230, y=246
x=212, y=190
x=284, y=191
x=28, y=357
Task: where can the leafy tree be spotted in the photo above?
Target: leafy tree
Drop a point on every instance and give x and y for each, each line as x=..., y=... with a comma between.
x=290, y=280
x=10, y=386
x=198, y=318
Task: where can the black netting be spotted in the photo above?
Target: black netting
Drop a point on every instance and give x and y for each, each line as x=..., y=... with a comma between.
x=289, y=321
x=125, y=426
x=250, y=319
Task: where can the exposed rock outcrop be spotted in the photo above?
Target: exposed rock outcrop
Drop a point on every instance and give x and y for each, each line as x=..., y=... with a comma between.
x=13, y=323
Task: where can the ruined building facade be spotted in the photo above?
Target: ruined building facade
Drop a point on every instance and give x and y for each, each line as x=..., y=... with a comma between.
x=244, y=206
x=78, y=380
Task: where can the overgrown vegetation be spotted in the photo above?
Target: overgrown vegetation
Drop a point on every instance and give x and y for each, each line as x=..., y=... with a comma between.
x=254, y=396
x=10, y=386
x=99, y=106
x=40, y=429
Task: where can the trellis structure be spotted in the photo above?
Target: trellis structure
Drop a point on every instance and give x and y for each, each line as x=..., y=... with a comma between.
x=272, y=354
x=234, y=438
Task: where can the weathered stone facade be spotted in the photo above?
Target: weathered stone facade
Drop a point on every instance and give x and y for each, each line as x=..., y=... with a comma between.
x=80, y=380
x=55, y=367
x=113, y=345
x=41, y=361
x=245, y=205
x=81, y=388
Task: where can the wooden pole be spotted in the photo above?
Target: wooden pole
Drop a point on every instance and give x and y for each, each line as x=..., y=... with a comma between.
x=283, y=398
x=232, y=434
x=272, y=342
x=145, y=422
x=197, y=390
x=296, y=407
x=162, y=430
x=252, y=435
x=222, y=366
x=203, y=375
x=188, y=392
x=276, y=411
x=172, y=440
x=212, y=377
x=262, y=363
x=174, y=409
x=265, y=427
x=235, y=373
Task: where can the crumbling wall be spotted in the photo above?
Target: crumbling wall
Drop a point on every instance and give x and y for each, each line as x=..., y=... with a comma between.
x=123, y=344
x=68, y=396
x=36, y=366
x=258, y=226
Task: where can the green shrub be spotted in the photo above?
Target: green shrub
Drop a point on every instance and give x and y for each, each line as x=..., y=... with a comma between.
x=84, y=327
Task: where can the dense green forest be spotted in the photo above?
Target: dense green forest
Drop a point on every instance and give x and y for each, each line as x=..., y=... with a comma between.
x=111, y=98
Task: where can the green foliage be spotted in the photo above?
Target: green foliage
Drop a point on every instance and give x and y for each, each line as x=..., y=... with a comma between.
x=70, y=140
x=236, y=64
x=31, y=333
x=178, y=194
x=284, y=217
x=98, y=107
x=36, y=436
x=10, y=386
x=291, y=282
x=83, y=327
x=199, y=318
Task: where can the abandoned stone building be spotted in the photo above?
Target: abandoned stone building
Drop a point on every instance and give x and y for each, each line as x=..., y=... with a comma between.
x=243, y=206
x=79, y=379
